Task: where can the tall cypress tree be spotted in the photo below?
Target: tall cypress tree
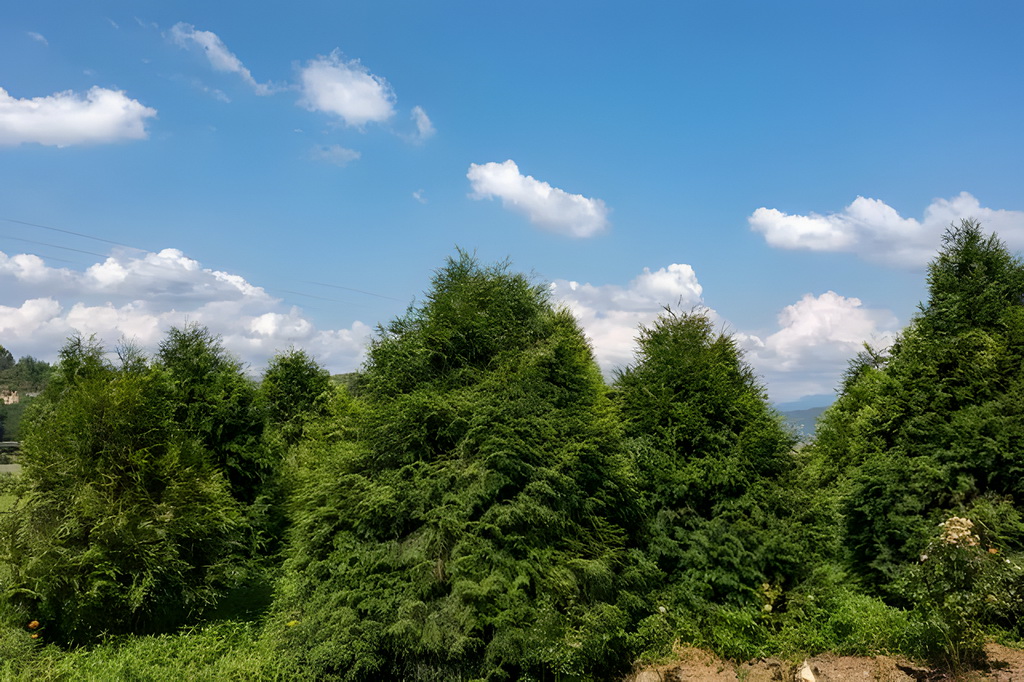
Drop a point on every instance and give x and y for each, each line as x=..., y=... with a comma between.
x=935, y=427
x=476, y=524
x=713, y=456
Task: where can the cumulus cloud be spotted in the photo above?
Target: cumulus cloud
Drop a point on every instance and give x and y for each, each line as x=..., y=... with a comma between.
x=805, y=355
x=611, y=314
x=346, y=89
x=875, y=231
x=424, y=127
x=549, y=207
x=220, y=57
x=67, y=118
x=336, y=154
x=817, y=337
x=138, y=296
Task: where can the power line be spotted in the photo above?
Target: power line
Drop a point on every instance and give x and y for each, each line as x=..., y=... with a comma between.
x=321, y=298
x=136, y=248
x=55, y=246
x=77, y=234
x=368, y=293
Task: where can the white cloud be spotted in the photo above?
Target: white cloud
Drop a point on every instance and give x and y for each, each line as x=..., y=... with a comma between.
x=30, y=269
x=139, y=296
x=419, y=196
x=346, y=89
x=875, y=231
x=336, y=154
x=38, y=37
x=611, y=314
x=818, y=336
x=806, y=355
x=67, y=118
x=220, y=57
x=424, y=128
x=549, y=207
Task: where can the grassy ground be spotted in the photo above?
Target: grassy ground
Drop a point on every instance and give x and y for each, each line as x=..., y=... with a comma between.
x=6, y=499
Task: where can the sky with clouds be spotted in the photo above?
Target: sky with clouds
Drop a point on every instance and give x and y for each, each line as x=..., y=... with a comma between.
x=292, y=175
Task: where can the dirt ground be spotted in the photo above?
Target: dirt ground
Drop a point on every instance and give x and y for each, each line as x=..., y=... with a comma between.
x=695, y=665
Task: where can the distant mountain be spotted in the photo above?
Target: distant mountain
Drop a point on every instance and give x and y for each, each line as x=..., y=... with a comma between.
x=804, y=420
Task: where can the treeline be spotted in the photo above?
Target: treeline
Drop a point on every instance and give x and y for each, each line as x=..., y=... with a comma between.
x=26, y=377
x=477, y=503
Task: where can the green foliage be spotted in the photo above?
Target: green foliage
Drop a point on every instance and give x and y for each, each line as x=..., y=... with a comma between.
x=966, y=578
x=10, y=420
x=294, y=387
x=931, y=433
x=214, y=402
x=210, y=653
x=468, y=514
x=716, y=468
x=475, y=503
x=124, y=523
x=27, y=376
x=938, y=423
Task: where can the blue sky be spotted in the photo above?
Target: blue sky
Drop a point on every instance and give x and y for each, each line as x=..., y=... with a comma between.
x=789, y=165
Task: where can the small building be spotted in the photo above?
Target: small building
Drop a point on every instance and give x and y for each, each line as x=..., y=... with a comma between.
x=8, y=397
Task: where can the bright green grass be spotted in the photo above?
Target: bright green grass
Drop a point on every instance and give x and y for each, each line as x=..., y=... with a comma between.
x=228, y=650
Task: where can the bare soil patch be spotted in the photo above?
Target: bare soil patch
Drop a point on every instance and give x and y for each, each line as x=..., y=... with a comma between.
x=695, y=665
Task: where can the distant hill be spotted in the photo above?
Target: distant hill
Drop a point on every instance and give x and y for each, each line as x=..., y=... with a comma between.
x=804, y=420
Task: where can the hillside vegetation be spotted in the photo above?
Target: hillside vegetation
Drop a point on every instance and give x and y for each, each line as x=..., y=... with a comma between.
x=476, y=503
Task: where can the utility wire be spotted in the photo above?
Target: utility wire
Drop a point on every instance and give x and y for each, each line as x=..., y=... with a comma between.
x=136, y=248
x=368, y=293
x=77, y=234
x=320, y=298
x=55, y=246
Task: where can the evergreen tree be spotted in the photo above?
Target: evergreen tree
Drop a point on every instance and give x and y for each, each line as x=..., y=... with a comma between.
x=935, y=429
x=124, y=524
x=293, y=389
x=215, y=402
x=714, y=462
x=469, y=514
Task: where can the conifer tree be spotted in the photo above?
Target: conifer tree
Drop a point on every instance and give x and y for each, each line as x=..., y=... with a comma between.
x=476, y=523
x=712, y=457
x=215, y=402
x=124, y=523
x=934, y=429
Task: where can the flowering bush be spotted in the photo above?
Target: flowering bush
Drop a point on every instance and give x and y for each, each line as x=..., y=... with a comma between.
x=961, y=583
